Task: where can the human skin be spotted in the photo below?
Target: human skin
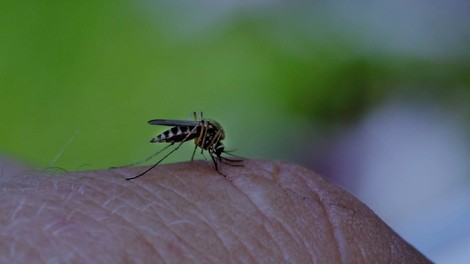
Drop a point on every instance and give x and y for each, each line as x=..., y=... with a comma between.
x=263, y=212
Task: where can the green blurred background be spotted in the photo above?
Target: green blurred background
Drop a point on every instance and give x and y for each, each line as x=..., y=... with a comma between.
x=267, y=74
x=79, y=80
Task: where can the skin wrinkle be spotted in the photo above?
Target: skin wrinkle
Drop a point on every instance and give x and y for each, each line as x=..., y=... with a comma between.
x=338, y=232
x=123, y=219
x=43, y=206
x=203, y=219
x=144, y=187
x=235, y=237
x=87, y=184
x=179, y=238
x=128, y=224
x=325, y=211
x=59, y=230
x=276, y=222
x=261, y=214
x=48, y=226
x=39, y=255
x=244, y=242
x=159, y=206
x=116, y=197
x=319, y=201
x=265, y=246
x=69, y=215
x=94, y=186
x=165, y=222
x=75, y=213
x=289, y=192
x=69, y=196
x=20, y=206
x=199, y=216
x=297, y=236
x=21, y=225
x=339, y=235
x=334, y=231
x=276, y=171
x=258, y=210
x=160, y=254
x=12, y=229
x=222, y=240
x=182, y=242
x=253, y=237
x=56, y=186
x=155, y=194
x=144, y=201
x=113, y=198
x=284, y=228
x=94, y=191
x=71, y=251
x=219, y=236
x=248, y=253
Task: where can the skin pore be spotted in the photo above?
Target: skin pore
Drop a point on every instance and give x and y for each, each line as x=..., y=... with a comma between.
x=263, y=212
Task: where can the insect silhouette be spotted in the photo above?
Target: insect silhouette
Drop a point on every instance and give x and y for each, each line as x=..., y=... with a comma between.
x=207, y=135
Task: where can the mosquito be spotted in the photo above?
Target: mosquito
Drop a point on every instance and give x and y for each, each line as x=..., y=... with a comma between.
x=207, y=135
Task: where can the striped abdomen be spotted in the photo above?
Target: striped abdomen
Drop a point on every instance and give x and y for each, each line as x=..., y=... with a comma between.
x=177, y=134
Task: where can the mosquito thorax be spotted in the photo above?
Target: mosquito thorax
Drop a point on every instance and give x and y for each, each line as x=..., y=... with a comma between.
x=217, y=127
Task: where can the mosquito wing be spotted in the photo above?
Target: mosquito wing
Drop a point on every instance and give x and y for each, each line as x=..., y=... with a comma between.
x=170, y=122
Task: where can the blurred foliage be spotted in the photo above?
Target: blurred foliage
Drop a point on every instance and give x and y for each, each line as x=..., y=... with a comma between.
x=104, y=68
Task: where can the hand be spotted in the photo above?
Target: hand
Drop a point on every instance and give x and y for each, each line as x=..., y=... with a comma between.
x=266, y=211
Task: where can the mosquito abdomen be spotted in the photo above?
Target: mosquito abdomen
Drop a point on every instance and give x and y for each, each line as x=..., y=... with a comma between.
x=176, y=134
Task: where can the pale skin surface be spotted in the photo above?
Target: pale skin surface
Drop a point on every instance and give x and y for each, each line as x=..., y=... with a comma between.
x=265, y=212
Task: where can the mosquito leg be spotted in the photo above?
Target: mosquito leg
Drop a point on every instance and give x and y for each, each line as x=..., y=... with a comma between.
x=204, y=128
x=217, y=167
x=168, y=154
x=216, y=138
x=215, y=163
x=194, y=152
x=142, y=161
x=155, y=165
x=213, y=160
